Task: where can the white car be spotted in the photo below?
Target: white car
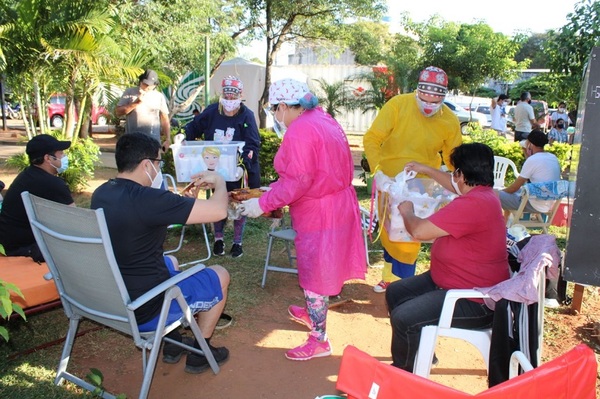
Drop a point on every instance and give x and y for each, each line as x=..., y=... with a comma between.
x=465, y=117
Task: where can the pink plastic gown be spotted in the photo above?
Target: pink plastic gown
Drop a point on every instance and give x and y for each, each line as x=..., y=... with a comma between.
x=315, y=170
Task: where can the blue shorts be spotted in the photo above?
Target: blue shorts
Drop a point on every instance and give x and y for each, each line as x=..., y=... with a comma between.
x=201, y=291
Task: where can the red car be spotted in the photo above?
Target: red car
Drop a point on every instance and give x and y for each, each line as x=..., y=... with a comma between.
x=56, y=111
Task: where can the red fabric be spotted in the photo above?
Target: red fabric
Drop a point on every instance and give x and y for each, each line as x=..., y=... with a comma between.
x=572, y=375
x=474, y=253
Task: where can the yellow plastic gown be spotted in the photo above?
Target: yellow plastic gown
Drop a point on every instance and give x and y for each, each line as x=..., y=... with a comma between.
x=401, y=133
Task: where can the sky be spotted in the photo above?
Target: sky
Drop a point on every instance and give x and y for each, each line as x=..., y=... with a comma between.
x=505, y=16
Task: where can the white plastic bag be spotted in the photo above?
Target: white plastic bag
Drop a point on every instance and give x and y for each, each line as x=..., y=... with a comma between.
x=426, y=195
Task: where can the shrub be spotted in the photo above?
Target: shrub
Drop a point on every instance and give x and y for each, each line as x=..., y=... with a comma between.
x=269, y=146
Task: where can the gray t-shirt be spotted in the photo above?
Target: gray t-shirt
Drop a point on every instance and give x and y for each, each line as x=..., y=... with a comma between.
x=146, y=117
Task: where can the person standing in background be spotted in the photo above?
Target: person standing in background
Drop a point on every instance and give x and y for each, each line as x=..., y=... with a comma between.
x=561, y=114
x=498, y=113
x=145, y=109
x=230, y=120
x=524, y=117
x=411, y=127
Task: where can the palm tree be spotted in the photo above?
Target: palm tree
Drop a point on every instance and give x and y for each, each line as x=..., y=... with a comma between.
x=334, y=97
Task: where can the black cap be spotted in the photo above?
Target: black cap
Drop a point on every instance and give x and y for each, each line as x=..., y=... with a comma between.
x=43, y=144
x=149, y=77
x=538, y=138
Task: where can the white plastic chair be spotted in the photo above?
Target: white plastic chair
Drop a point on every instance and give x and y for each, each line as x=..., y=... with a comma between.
x=76, y=246
x=501, y=165
x=171, y=186
x=554, y=190
x=480, y=338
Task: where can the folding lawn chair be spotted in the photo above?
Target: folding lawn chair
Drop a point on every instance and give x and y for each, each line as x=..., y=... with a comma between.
x=76, y=245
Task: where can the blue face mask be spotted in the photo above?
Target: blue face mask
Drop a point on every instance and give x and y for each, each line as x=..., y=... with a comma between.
x=64, y=164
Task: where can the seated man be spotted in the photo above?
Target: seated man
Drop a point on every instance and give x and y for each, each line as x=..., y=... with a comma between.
x=540, y=166
x=469, y=251
x=137, y=216
x=46, y=161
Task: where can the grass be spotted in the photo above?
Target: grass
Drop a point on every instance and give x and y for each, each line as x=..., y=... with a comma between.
x=31, y=375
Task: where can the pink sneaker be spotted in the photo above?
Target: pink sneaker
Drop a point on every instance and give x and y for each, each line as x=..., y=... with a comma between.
x=300, y=315
x=381, y=287
x=310, y=349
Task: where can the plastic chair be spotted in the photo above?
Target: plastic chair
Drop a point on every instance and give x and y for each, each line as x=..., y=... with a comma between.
x=76, y=245
x=171, y=186
x=280, y=231
x=288, y=235
x=501, y=165
x=571, y=375
x=481, y=338
x=553, y=190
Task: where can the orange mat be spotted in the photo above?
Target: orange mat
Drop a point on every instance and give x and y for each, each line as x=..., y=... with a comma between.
x=29, y=277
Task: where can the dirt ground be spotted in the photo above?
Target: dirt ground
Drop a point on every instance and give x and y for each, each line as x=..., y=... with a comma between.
x=258, y=339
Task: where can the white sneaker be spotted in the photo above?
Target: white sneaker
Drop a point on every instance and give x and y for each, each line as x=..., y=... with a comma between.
x=551, y=303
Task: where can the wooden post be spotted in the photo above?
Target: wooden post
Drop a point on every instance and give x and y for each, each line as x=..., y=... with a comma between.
x=577, y=298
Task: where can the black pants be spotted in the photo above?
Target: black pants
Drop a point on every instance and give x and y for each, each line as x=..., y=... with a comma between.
x=520, y=135
x=32, y=251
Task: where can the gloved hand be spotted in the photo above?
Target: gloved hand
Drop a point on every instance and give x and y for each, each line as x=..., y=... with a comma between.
x=265, y=188
x=239, y=172
x=251, y=208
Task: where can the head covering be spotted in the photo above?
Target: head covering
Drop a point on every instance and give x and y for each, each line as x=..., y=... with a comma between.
x=538, y=138
x=232, y=85
x=149, y=77
x=288, y=91
x=43, y=144
x=433, y=81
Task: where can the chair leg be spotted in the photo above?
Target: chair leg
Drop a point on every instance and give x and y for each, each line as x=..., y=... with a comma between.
x=66, y=353
x=208, y=251
x=267, y=260
x=424, y=356
x=171, y=251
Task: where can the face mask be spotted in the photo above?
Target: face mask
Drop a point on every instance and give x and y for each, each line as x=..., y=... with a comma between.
x=428, y=109
x=279, y=126
x=158, y=179
x=561, y=110
x=455, y=184
x=64, y=164
x=230, y=105
x=560, y=126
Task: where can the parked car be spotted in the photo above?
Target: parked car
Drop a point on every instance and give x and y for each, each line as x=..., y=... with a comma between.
x=487, y=111
x=465, y=117
x=56, y=111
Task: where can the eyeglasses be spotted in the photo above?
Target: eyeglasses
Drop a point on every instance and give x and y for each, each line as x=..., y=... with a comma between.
x=455, y=171
x=161, y=163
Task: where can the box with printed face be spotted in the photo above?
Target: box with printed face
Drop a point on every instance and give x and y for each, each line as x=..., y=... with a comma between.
x=192, y=157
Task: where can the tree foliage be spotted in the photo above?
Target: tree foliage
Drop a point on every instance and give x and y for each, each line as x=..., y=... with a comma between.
x=318, y=21
x=569, y=47
x=469, y=53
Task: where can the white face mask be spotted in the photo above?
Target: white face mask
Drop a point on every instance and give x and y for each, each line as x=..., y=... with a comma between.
x=455, y=184
x=561, y=110
x=428, y=109
x=158, y=178
x=64, y=164
x=230, y=105
x=279, y=126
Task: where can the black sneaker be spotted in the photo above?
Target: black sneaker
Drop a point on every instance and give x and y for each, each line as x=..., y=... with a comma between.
x=172, y=353
x=219, y=248
x=196, y=364
x=236, y=250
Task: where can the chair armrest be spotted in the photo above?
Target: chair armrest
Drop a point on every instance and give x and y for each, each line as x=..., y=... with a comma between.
x=165, y=285
x=451, y=297
x=517, y=359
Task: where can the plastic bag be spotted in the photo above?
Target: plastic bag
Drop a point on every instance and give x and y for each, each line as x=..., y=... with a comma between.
x=426, y=195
